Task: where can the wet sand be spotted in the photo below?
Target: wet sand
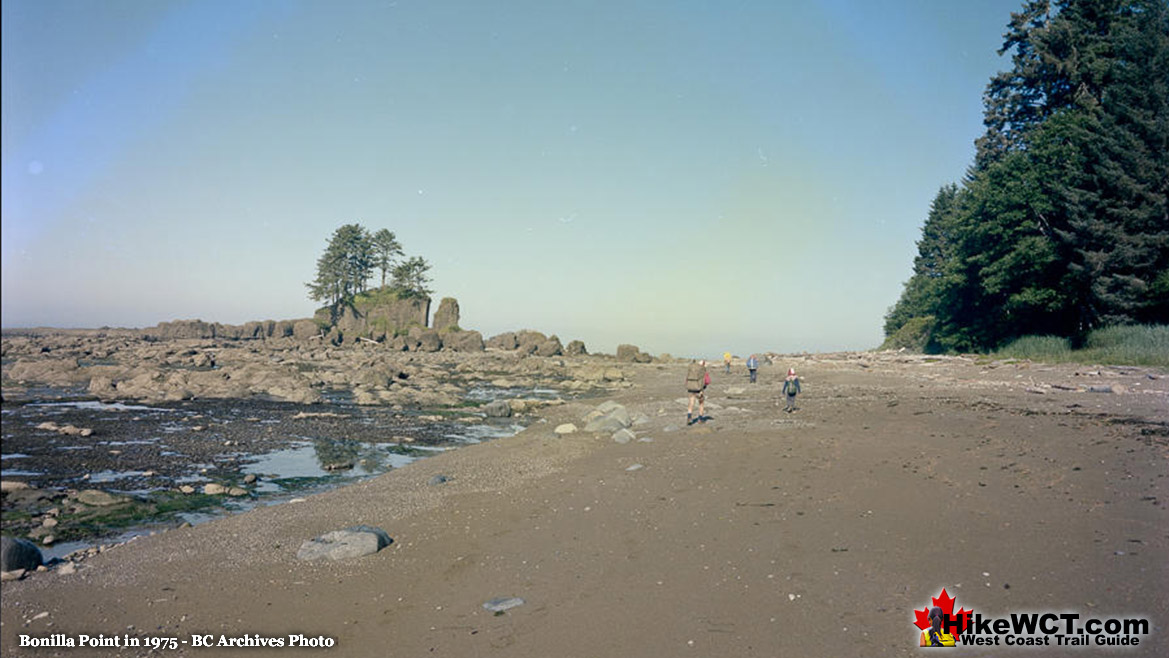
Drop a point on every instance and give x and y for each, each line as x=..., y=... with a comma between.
x=757, y=533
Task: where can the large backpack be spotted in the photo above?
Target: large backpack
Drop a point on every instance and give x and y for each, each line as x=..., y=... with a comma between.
x=694, y=378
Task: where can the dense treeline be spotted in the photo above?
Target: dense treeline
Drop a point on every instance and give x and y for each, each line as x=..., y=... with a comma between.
x=1061, y=225
x=354, y=255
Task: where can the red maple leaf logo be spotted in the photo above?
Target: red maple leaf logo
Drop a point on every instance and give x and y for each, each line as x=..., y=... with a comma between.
x=946, y=603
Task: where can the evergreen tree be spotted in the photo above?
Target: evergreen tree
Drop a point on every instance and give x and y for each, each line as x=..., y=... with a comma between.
x=385, y=251
x=1063, y=224
x=344, y=268
x=935, y=252
x=410, y=279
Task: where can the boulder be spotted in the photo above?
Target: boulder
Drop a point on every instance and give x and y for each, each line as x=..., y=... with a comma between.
x=16, y=553
x=447, y=315
x=631, y=354
x=497, y=409
x=344, y=544
x=624, y=435
x=550, y=347
x=463, y=341
x=608, y=418
x=527, y=342
x=575, y=348
x=504, y=341
x=425, y=340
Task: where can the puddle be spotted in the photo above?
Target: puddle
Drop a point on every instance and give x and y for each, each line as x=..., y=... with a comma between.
x=308, y=461
x=113, y=476
x=480, y=433
x=5, y=473
x=93, y=405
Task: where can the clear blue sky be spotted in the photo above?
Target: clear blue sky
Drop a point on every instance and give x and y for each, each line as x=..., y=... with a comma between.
x=691, y=177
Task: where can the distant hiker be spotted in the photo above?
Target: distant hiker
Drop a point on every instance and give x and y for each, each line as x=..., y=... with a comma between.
x=697, y=379
x=934, y=636
x=752, y=366
x=791, y=386
x=727, y=361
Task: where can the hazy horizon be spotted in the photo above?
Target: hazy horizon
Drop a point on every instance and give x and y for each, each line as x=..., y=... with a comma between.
x=691, y=179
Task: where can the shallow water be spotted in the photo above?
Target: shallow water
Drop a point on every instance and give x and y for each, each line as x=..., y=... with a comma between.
x=142, y=450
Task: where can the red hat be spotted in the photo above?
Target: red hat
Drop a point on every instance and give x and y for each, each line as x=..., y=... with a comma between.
x=791, y=371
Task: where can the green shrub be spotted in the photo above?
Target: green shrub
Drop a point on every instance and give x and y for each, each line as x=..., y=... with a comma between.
x=915, y=335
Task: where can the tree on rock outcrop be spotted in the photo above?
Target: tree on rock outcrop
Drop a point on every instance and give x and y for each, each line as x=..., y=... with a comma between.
x=386, y=250
x=344, y=268
x=410, y=279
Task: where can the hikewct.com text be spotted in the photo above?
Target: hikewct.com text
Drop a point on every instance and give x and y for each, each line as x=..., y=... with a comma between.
x=1063, y=629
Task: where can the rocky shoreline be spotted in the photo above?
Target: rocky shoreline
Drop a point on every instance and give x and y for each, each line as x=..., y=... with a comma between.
x=105, y=429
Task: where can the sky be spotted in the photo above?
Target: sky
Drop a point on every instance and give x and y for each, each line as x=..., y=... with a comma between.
x=688, y=177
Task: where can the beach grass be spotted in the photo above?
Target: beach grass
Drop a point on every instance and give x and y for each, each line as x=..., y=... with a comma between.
x=1129, y=345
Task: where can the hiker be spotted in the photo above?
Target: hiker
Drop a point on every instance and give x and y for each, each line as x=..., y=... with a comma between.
x=791, y=386
x=934, y=636
x=697, y=379
x=752, y=366
x=727, y=361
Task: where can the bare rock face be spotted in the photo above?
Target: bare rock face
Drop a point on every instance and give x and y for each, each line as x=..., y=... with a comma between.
x=550, y=347
x=305, y=329
x=631, y=354
x=447, y=315
x=425, y=340
x=403, y=313
x=529, y=341
x=504, y=341
x=575, y=348
x=180, y=329
x=463, y=341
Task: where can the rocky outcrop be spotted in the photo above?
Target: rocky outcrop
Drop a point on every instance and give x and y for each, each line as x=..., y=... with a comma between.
x=305, y=329
x=180, y=329
x=631, y=354
x=425, y=340
x=447, y=315
x=200, y=330
x=421, y=367
x=387, y=319
x=505, y=341
x=527, y=341
x=575, y=348
x=462, y=341
x=550, y=347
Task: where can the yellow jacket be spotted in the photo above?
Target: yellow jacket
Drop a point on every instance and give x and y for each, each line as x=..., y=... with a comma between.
x=946, y=639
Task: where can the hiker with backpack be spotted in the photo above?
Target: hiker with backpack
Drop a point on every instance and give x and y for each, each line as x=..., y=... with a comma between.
x=697, y=379
x=752, y=366
x=791, y=386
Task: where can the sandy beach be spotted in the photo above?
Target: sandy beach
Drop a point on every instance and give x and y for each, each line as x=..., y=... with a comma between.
x=1017, y=487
